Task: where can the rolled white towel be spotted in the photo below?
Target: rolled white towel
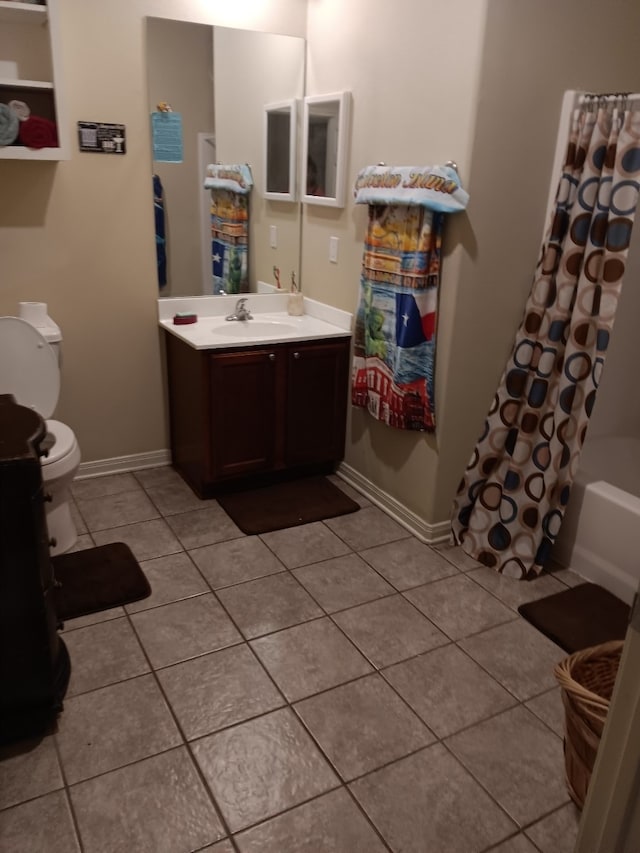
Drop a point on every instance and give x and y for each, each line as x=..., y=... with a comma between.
x=22, y=110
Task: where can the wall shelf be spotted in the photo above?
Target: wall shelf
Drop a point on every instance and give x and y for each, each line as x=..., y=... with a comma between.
x=22, y=13
x=29, y=39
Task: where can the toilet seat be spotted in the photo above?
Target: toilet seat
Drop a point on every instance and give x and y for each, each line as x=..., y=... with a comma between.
x=63, y=441
x=28, y=366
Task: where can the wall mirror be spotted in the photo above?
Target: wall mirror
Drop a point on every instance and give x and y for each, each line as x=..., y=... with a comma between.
x=219, y=79
x=280, y=150
x=325, y=128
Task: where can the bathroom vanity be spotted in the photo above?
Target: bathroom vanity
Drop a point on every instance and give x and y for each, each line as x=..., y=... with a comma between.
x=257, y=398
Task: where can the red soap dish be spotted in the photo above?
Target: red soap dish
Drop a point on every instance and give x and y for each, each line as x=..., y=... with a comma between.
x=184, y=319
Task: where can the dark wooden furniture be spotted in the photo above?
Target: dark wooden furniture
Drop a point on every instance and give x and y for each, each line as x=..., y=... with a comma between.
x=34, y=663
x=259, y=412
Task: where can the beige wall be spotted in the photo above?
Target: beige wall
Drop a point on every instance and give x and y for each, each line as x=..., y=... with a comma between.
x=479, y=82
x=79, y=234
x=413, y=76
x=526, y=67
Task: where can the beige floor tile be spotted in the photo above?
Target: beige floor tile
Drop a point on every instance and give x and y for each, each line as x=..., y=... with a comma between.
x=427, y=802
x=331, y=823
x=408, y=562
x=458, y=606
x=27, y=828
x=556, y=833
x=362, y=725
x=448, y=690
x=147, y=539
x=516, y=844
x=158, y=805
x=116, y=510
x=218, y=690
x=458, y=557
x=200, y=527
x=514, y=592
x=518, y=656
x=28, y=769
x=164, y=475
x=114, y=726
x=171, y=578
x=238, y=560
x=342, y=582
x=309, y=658
x=518, y=760
x=268, y=604
x=307, y=543
x=184, y=629
x=366, y=528
x=93, y=618
x=259, y=768
x=174, y=498
x=389, y=630
x=549, y=708
x=103, y=654
x=100, y=487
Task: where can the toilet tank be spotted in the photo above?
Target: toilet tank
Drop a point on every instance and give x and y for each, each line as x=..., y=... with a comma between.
x=35, y=313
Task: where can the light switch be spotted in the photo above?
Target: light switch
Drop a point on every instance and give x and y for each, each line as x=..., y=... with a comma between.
x=273, y=236
x=333, y=249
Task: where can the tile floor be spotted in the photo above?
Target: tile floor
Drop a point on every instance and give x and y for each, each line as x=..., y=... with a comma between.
x=335, y=687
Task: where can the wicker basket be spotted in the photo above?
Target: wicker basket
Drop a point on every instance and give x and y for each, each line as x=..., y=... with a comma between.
x=587, y=678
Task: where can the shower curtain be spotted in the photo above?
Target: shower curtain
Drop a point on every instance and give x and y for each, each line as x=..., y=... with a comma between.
x=513, y=494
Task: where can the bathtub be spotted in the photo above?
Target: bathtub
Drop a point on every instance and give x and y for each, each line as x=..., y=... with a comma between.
x=600, y=535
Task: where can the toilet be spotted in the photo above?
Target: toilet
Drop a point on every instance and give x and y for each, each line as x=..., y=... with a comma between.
x=30, y=371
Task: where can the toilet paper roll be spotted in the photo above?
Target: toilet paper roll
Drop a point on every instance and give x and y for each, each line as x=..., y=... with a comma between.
x=34, y=312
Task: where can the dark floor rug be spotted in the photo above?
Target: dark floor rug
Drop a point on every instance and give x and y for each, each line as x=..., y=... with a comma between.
x=97, y=579
x=286, y=504
x=578, y=618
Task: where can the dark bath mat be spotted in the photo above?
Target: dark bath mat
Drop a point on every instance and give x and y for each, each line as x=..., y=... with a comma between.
x=286, y=504
x=578, y=618
x=97, y=579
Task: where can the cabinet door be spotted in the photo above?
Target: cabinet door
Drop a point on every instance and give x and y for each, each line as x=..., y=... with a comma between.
x=243, y=411
x=316, y=402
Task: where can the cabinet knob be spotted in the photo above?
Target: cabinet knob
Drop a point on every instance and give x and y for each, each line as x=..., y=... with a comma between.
x=47, y=498
x=296, y=355
x=272, y=356
x=53, y=542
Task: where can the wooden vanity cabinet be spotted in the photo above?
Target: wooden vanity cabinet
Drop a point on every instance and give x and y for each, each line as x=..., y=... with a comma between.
x=242, y=413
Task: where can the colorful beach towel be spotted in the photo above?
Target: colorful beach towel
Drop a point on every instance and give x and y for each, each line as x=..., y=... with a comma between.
x=230, y=187
x=395, y=332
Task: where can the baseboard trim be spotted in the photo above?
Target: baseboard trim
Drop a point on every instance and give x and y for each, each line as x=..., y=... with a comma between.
x=120, y=464
x=431, y=534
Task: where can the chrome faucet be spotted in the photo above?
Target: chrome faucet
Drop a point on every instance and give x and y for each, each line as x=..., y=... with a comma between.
x=240, y=313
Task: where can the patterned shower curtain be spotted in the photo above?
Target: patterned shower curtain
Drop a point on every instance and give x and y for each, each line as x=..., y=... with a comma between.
x=513, y=494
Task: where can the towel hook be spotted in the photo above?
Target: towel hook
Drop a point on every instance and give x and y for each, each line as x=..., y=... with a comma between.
x=453, y=165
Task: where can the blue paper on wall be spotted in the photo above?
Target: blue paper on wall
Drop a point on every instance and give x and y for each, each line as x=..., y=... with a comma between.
x=166, y=133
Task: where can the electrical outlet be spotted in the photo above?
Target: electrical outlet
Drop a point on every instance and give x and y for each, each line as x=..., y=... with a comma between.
x=333, y=249
x=273, y=236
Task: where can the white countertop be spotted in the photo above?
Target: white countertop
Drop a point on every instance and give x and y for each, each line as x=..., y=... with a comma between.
x=271, y=324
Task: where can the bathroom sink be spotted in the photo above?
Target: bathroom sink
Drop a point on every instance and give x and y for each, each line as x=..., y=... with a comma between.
x=249, y=329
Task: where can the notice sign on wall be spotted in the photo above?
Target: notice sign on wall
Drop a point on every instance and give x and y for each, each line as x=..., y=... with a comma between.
x=101, y=137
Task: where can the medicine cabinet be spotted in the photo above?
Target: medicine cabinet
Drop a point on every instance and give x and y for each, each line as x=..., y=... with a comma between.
x=280, y=150
x=325, y=128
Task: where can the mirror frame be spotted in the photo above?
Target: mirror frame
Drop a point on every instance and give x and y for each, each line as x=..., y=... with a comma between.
x=290, y=106
x=343, y=99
